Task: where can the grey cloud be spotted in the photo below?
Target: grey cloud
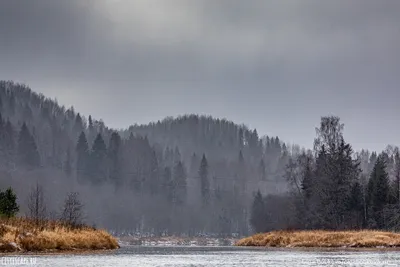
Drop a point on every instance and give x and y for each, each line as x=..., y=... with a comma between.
x=298, y=59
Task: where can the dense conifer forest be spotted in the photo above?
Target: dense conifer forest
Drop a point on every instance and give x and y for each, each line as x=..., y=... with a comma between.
x=191, y=175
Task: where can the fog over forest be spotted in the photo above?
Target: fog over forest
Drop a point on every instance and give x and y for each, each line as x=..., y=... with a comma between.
x=191, y=175
x=203, y=117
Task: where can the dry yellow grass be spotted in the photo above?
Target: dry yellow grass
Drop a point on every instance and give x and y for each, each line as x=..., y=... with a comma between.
x=20, y=234
x=323, y=239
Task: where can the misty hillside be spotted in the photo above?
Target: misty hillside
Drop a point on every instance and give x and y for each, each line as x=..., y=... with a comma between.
x=191, y=175
x=169, y=171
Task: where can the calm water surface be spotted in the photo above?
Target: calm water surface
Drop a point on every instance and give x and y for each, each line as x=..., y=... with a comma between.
x=221, y=256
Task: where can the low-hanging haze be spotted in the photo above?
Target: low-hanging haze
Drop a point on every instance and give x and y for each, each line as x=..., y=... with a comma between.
x=277, y=66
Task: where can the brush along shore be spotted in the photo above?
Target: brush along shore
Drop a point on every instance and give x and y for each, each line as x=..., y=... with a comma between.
x=323, y=239
x=25, y=235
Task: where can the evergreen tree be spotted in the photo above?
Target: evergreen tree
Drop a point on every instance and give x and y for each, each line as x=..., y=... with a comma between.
x=179, y=184
x=91, y=131
x=204, y=182
x=9, y=145
x=8, y=203
x=396, y=193
x=307, y=177
x=2, y=143
x=83, y=158
x=152, y=181
x=28, y=154
x=68, y=163
x=336, y=172
x=11, y=104
x=258, y=216
x=241, y=173
x=115, y=161
x=378, y=193
x=262, y=171
x=98, y=162
x=355, y=206
x=168, y=184
x=78, y=126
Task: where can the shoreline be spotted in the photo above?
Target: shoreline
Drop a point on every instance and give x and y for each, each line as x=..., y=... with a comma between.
x=23, y=236
x=320, y=239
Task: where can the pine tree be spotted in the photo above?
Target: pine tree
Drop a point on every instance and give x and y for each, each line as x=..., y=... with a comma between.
x=204, y=182
x=83, y=158
x=98, y=162
x=258, y=216
x=28, y=154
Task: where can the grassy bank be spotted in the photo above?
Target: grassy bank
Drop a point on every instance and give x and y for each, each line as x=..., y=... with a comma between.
x=24, y=235
x=323, y=239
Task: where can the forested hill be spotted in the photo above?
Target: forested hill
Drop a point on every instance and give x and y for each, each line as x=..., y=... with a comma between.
x=200, y=164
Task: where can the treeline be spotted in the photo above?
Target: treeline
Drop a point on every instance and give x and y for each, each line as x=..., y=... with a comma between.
x=192, y=175
x=70, y=215
x=189, y=175
x=334, y=188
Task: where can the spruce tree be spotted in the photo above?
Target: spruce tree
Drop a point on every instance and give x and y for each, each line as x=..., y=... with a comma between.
x=98, y=162
x=378, y=193
x=241, y=173
x=115, y=160
x=258, y=216
x=153, y=179
x=355, y=206
x=396, y=187
x=9, y=145
x=204, y=182
x=336, y=171
x=8, y=203
x=179, y=183
x=28, y=154
x=78, y=126
x=2, y=142
x=83, y=160
x=168, y=185
x=262, y=171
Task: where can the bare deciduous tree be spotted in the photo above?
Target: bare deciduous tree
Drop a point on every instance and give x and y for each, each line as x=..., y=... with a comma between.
x=36, y=204
x=72, y=213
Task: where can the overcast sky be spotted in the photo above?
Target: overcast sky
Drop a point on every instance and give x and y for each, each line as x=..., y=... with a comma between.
x=274, y=65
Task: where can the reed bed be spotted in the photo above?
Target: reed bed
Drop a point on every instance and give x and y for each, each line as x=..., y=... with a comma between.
x=21, y=234
x=323, y=239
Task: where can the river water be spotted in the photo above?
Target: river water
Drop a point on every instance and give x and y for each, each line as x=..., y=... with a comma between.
x=220, y=256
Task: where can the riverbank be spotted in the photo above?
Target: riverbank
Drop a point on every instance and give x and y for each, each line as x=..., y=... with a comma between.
x=323, y=239
x=24, y=235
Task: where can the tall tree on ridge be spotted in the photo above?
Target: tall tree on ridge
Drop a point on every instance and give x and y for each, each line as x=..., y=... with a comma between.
x=83, y=158
x=98, y=162
x=204, y=182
